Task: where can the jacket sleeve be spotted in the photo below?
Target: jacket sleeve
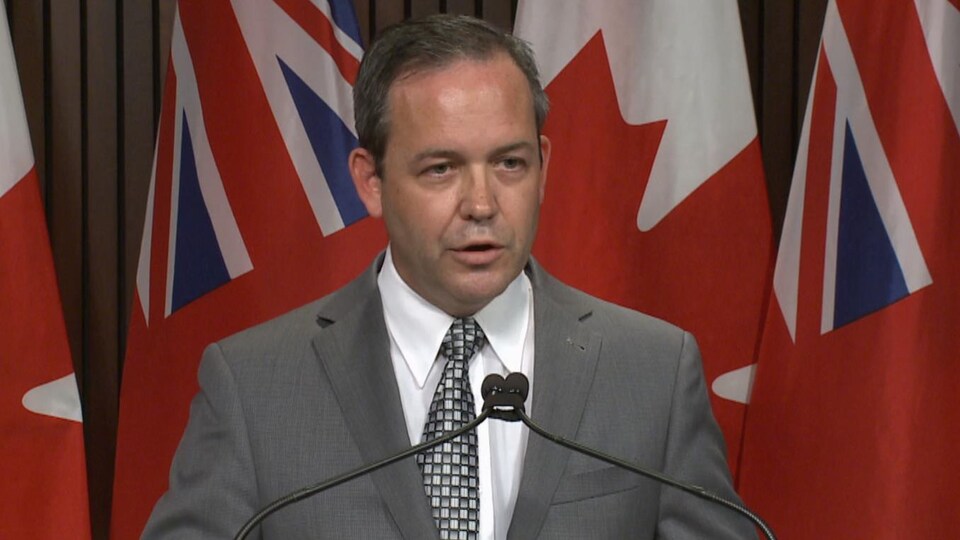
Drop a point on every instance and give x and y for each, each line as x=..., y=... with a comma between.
x=695, y=453
x=212, y=490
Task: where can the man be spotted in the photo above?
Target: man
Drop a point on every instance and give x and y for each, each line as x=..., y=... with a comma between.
x=448, y=113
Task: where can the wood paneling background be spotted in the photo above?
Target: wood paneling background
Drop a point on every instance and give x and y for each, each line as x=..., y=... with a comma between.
x=91, y=73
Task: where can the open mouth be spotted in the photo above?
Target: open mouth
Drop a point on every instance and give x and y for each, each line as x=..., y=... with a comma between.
x=479, y=254
x=479, y=247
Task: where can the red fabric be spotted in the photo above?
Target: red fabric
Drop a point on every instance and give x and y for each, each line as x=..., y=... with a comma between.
x=704, y=267
x=44, y=487
x=293, y=263
x=852, y=432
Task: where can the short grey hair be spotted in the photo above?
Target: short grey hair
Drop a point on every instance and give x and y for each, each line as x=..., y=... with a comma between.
x=426, y=44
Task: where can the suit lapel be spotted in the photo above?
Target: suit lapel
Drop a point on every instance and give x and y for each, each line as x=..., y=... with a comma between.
x=354, y=351
x=566, y=357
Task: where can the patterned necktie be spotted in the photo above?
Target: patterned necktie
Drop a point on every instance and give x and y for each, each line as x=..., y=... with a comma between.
x=450, y=469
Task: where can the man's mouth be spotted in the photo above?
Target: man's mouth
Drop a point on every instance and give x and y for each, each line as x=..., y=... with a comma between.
x=479, y=247
x=478, y=254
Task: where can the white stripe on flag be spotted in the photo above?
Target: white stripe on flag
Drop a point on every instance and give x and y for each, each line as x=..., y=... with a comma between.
x=345, y=40
x=235, y=256
x=941, y=30
x=146, y=241
x=271, y=34
x=16, y=156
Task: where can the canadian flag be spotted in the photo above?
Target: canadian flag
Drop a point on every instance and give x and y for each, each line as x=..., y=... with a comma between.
x=44, y=489
x=656, y=197
x=852, y=431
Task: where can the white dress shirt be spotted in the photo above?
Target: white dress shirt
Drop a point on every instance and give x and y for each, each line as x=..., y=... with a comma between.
x=416, y=330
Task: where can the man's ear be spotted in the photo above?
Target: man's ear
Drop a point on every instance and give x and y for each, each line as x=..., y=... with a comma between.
x=544, y=162
x=363, y=169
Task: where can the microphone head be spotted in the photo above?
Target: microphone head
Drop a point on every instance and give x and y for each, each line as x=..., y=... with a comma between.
x=504, y=397
x=492, y=383
x=517, y=383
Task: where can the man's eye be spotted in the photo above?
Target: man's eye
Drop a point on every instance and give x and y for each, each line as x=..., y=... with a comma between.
x=438, y=170
x=511, y=163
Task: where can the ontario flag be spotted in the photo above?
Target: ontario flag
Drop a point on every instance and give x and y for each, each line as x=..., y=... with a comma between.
x=43, y=494
x=852, y=431
x=656, y=198
x=251, y=211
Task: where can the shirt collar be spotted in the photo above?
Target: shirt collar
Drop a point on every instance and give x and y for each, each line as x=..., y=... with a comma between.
x=417, y=327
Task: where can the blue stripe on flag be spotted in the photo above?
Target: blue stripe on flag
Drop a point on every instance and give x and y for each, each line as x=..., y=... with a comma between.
x=345, y=18
x=331, y=142
x=198, y=263
x=869, y=276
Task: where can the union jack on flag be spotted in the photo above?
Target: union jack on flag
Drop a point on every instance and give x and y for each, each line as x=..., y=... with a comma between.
x=851, y=429
x=251, y=210
x=871, y=254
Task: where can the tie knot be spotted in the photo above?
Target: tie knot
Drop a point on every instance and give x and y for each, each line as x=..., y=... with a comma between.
x=462, y=340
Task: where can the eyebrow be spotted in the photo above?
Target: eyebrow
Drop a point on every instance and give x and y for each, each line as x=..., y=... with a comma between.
x=521, y=145
x=434, y=153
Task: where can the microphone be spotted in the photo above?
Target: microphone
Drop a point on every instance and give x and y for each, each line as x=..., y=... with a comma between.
x=504, y=399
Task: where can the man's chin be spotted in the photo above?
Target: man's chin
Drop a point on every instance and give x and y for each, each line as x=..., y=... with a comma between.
x=476, y=291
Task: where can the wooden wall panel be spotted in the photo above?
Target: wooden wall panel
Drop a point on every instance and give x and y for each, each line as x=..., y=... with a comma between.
x=64, y=164
x=422, y=8
x=751, y=14
x=101, y=315
x=499, y=12
x=92, y=73
x=776, y=100
x=364, y=16
x=385, y=14
x=461, y=7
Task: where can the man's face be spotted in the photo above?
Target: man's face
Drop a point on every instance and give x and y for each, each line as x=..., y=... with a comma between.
x=462, y=181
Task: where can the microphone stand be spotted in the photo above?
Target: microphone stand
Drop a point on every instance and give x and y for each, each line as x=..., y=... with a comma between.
x=502, y=399
x=689, y=488
x=346, y=477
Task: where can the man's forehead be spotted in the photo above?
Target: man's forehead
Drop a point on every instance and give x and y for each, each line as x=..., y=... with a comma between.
x=460, y=91
x=417, y=72
x=431, y=105
x=491, y=81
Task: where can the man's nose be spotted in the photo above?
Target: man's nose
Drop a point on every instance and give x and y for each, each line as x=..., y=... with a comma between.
x=479, y=201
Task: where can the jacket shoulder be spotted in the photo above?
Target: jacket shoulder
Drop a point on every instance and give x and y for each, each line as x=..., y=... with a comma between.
x=601, y=315
x=297, y=327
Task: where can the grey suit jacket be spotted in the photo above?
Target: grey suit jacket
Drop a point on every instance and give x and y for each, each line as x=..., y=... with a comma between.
x=312, y=394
